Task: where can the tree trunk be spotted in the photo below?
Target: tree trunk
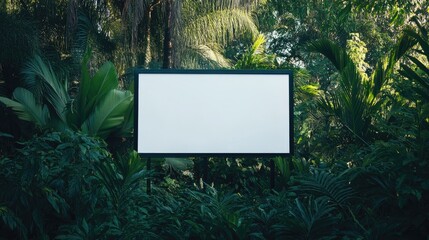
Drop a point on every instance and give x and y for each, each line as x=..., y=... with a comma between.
x=168, y=43
x=148, y=21
x=147, y=53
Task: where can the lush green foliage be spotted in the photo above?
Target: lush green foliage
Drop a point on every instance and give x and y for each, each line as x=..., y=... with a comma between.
x=49, y=182
x=361, y=84
x=99, y=108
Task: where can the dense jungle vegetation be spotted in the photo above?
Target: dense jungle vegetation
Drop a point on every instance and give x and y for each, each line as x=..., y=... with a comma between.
x=361, y=86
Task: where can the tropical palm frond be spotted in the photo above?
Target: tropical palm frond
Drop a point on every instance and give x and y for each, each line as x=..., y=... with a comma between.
x=109, y=114
x=357, y=97
x=420, y=75
x=122, y=178
x=333, y=52
x=82, y=35
x=41, y=79
x=323, y=184
x=218, y=27
x=282, y=164
x=385, y=66
x=421, y=39
x=255, y=57
x=419, y=64
x=308, y=220
x=228, y=4
x=221, y=211
x=27, y=108
x=89, y=34
x=411, y=74
x=202, y=57
x=350, y=102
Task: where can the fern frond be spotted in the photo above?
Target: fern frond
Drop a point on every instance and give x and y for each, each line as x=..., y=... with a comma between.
x=323, y=184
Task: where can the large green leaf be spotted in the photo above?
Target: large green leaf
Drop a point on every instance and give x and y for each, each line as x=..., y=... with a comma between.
x=26, y=107
x=93, y=90
x=127, y=127
x=109, y=113
x=41, y=79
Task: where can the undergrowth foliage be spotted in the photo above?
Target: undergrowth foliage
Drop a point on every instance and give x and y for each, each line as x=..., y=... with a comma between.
x=50, y=182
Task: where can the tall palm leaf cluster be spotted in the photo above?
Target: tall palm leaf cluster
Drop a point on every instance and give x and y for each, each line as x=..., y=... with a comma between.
x=206, y=29
x=99, y=109
x=179, y=34
x=358, y=97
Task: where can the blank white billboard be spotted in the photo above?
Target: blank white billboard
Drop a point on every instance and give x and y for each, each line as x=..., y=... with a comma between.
x=192, y=113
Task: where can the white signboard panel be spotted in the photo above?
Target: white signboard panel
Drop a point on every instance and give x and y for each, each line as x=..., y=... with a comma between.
x=192, y=113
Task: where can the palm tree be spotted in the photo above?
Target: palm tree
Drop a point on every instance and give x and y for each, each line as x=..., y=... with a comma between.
x=193, y=33
x=358, y=96
x=207, y=28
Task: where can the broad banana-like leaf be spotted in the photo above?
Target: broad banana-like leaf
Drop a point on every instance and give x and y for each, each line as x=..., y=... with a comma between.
x=93, y=90
x=26, y=107
x=128, y=124
x=109, y=114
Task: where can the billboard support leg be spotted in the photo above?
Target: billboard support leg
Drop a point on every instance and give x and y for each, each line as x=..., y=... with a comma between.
x=272, y=174
x=205, y=171
x=148, y=182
